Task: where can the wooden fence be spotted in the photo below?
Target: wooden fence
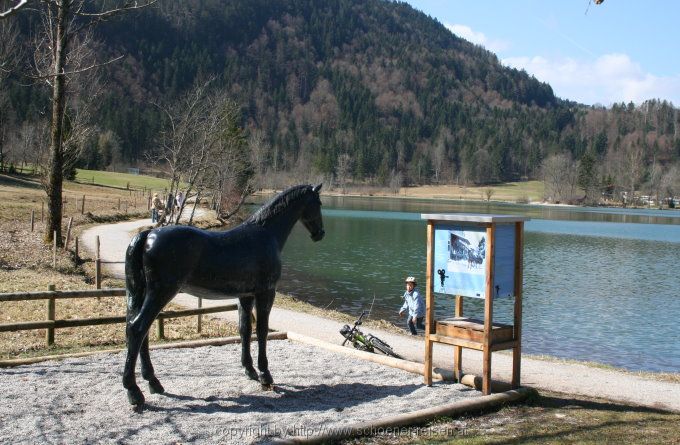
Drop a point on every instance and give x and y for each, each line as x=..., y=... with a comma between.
x=51, y=323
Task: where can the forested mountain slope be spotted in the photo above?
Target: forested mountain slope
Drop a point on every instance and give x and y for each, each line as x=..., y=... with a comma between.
x=372, y=87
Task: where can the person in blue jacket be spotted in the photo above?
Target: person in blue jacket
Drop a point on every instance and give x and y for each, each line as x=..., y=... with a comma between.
x=413, y=301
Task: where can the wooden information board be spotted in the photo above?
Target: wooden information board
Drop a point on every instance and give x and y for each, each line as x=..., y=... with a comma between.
x=476, y=256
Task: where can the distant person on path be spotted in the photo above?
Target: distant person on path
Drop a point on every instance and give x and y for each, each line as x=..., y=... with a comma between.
x=179, y=200
x=413, y=301
x=169, y=205
x=156, y=208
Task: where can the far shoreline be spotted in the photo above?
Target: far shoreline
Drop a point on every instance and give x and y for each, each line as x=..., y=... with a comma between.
x=472, y=195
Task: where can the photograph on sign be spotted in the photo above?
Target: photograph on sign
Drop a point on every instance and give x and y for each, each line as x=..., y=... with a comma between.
x=460, y=260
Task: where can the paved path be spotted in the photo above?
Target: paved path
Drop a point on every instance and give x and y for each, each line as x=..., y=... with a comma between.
x=562, y=377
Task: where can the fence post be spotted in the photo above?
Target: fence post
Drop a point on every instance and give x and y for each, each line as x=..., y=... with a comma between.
x=42, y=212
x=54, y=250
x=199, y=322
x=119, y=203
x=160, y=329
x=76, y=247
x=49, y=336
x=97, y=267
x=82, y=207
x=32, y=219
x=68, y=233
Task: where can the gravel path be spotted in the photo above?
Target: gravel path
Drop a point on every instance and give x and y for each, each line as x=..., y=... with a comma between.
x=208, y=399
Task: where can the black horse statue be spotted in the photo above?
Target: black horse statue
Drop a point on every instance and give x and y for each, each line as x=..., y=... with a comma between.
x=244, y=261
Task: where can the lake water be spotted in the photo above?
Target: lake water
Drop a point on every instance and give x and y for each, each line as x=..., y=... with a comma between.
x=599, y=284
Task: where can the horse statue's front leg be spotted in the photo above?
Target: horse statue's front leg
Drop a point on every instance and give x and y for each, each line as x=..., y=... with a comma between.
x=245, y=328
x=263, y=306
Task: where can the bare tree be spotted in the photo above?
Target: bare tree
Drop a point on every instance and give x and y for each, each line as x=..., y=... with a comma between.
x=176, y=147
x=560, y=177
x=6, y=118
x=654, y=183
x=230, y=174
x=205, y=150
x=396, y=181
x=670, y=182
x=12, y=7
x=8, y=56
x=259, y=154
x=108, y=147
x=31, y=143
x=481, y=171
x=64, y=22
x=438, y=158
x=343, y=170
x=9, y=50
x=439, y=153
x=631, y=165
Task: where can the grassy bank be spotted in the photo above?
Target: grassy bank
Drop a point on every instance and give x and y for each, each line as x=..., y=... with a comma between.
x=120, y=180
x=547, y=418
x=26, y=265
x=516, y=192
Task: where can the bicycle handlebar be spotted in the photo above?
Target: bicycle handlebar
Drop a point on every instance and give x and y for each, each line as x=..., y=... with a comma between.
x=354, y=328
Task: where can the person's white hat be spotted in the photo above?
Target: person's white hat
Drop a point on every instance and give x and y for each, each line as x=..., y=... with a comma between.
x=410, y=280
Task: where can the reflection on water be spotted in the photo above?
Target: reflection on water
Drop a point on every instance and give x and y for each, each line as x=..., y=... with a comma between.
x=598, y=285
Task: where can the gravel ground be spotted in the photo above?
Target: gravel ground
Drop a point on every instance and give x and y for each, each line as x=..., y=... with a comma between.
x=208, y=398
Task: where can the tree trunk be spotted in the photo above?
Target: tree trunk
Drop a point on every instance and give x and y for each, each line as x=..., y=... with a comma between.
x=56, y=164
x=193, y=210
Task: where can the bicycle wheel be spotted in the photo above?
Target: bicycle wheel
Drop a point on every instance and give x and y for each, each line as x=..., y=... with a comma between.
x=383, y=347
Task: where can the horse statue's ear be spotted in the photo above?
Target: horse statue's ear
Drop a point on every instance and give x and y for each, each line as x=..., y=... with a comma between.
x=316, y=188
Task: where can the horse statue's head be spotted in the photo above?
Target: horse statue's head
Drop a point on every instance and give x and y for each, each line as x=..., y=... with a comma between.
x=311, y=215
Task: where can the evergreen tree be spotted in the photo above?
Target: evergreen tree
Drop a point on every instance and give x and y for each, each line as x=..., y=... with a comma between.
x=587, y=178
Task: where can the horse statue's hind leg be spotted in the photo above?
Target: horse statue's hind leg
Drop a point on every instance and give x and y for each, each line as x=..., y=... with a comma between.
x=245, y=328
x=263, y=306
x=136, y=332
x=147, y=368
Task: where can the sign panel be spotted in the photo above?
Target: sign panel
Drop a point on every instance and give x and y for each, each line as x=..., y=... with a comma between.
x=504, y=261
x=460, y=259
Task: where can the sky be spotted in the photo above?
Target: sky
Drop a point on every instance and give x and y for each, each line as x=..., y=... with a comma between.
x=618, y=51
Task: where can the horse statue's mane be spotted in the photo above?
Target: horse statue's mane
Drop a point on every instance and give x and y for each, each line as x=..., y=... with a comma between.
x=279, y=203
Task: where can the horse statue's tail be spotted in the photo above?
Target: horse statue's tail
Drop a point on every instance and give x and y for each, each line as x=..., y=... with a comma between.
x=135, y=281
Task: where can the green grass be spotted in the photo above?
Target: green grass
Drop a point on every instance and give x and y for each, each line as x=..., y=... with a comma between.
x=121, y=180
x=534, y=190
x=526, y=191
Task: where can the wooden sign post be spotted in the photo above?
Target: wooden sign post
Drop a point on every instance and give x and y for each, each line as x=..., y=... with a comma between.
x=477, y=256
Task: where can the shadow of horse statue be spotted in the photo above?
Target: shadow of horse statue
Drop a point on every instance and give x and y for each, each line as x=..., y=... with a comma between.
x=244, y=261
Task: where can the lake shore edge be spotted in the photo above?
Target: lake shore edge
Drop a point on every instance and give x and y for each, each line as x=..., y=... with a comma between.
x=296, y=304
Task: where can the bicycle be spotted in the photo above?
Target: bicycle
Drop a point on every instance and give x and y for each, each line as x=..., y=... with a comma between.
x=364, y=342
